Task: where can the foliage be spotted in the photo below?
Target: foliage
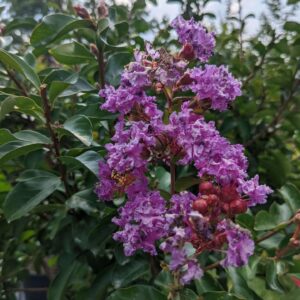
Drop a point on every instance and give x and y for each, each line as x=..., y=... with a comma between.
x=53, y=133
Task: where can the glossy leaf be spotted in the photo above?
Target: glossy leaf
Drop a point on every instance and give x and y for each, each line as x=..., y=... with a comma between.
x=15, y=62
x=54, y=27
x=137, y=292
x=88, y=159
x=21, y=104
x=72, y=53
x=291, y=196
x=81, y=127
x=28, y=194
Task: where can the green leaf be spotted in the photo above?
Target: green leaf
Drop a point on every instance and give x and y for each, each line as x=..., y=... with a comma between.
x=207, y=283
x=115, y=65
x=6, y=136
x=137, y=292
x=187, y=294
x=164, y=281
x=72, y=54
x=21, y=104
x=29, y=193
x=84, y=200
x=54, y=27
x=239, y=284
x=81, y=127
x=278, y=213
x=185, y=183
x=221, y=296
x=274, y=268
x=292, y=26
x=25, y=142
x=15, y=62
x=88, y=159
x=59, y=284
x=291, y=196
x=135, y=269
x=20, y=23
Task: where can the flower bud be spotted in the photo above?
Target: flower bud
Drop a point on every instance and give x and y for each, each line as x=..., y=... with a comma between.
x=81, y=12
x=212, y=199
x=200, y=205
x=225, y=208
x=229, y=193
x=102, y=9
x=187, y=52
x=238, y=206
x=206, y=187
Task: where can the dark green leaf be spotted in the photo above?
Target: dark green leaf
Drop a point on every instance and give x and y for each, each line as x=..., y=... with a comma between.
x=81, y=127
x=54, y=27
x=88, y=159
x=291, y=196
x=137, y=292
x=268, y=220
x=72, y=54
x=15, y=62
x=28, y=194
x=21, y=104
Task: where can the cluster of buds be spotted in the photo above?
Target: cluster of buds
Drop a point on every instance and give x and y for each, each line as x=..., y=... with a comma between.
x=215, y=200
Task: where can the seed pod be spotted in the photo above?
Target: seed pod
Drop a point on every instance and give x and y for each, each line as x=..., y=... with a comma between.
x=206, y=188
x=200, y=205
x=238, y=206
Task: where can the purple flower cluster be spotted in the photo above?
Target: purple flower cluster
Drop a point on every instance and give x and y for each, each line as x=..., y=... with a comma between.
x=143, y=223
x=215, y=84
x=145, y=135
x=193, y=33
x=240, y=244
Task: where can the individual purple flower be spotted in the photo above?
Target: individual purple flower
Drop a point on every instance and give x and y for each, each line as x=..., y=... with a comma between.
x=257, y=193
x=106, y=186
x=142, y=223
x=215, y=84
x=191, y=272
x=193, y=33
x=123, y=98
x=240, y=244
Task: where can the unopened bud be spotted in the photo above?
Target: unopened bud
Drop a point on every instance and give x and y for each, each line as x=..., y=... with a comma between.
x=238, y=206
x=297, y=218
x=187, y=52
x=102, y=9
x=158, y=87
x=81, y=12
x=200, y=205
x=212, y=199
x=206, y=187
x=294, y=242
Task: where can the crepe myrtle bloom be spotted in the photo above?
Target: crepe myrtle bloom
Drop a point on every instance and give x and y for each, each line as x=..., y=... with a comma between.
x=161, y=105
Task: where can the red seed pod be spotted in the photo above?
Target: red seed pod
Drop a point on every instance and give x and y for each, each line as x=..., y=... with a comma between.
x=187, y=52
x=225, y=208
x=200, y=205
x=212, y=199
x=206, y=188
x=238, y=206
x=229, y=193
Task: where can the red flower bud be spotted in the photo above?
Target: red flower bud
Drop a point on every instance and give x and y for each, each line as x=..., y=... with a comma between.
x=81, y=12
x=229, y=193
x=200, y=205
x=206, y=187
x=225, y=208
x=187, y=52
x=212, y=199
x=238, y=206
